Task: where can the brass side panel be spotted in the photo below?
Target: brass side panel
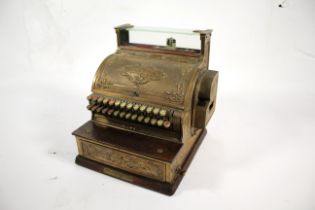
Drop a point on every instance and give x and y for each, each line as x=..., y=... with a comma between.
x=123, y=160
x=79, y=145
x=176, y=166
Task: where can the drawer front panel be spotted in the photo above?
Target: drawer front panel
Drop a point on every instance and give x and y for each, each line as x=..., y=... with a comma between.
x=122, y=160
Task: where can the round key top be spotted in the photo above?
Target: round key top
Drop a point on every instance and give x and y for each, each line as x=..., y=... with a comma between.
x=153, y=121
x=104, y=110
x=134, y=117
x=117, y=103
x=146, y=120
x=149, y=109
x=111, y=102
x=99, y=109
x=129, y=106
x=156, y=111
x=140, y=118
x=163, y=112
x=100, y=99
x=127, y=116
x=123, y=105
x=94, y=98
x=122, y=114
x=116, y=113
x=167, y=124
x=105, y=101
x=136, y=107
x=160, y=123
x=90, y=97
x=110, y=112
x=142, y=108
x=94, y=108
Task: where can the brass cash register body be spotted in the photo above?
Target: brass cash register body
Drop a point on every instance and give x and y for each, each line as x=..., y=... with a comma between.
x=150, y=105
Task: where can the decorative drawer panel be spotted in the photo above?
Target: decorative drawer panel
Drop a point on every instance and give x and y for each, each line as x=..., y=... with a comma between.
x=123, y=160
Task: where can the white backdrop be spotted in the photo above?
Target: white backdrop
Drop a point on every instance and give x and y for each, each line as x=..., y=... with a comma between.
x=259, y=150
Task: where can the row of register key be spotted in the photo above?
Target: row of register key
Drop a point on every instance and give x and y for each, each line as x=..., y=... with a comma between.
x=129, y=110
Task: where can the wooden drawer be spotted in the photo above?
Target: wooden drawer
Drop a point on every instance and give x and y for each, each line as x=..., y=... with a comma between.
x=121, y=159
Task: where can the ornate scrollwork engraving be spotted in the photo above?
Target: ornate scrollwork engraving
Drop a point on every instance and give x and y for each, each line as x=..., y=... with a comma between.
x=124, y=161
x=102, y=82
x=140, y=75
x=177, y=94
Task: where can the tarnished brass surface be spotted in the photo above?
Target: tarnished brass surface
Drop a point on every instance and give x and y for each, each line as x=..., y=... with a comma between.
x=159, y=79
x=164, y=93
x=123, y=160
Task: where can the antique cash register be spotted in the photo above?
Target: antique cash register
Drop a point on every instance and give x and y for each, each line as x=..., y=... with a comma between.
x=150, y=104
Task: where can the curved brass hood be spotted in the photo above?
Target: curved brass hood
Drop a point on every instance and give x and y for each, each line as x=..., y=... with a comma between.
x=147, y=77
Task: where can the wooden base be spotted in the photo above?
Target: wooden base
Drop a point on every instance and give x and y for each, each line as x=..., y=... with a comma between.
x=162, y=187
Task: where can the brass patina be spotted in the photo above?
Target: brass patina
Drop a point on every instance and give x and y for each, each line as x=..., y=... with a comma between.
x=150, y=106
